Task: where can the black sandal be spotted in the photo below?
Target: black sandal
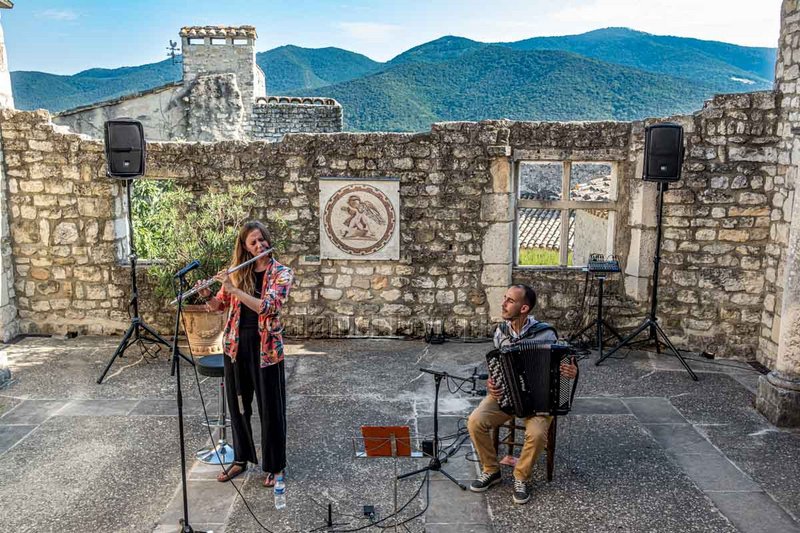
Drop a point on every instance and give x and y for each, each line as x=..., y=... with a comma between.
x=226, y=474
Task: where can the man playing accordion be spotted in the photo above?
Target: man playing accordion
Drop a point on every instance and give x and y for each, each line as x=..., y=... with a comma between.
x=518, y=324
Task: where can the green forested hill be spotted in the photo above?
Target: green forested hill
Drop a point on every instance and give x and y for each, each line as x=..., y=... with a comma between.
x=495, y=82
x=33, y=90
x=709, y=61
x=613, y=73
x=291, y=68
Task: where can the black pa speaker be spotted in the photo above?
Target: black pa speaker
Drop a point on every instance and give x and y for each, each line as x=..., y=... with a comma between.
x=125, y=148
x=663, y=152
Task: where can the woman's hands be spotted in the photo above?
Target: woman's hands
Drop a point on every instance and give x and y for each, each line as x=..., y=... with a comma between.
x=221, y=277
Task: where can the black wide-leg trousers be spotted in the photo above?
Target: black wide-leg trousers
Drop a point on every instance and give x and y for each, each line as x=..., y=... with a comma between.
x=244, y=377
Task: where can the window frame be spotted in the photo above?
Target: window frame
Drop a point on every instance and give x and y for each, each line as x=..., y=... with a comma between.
x=565, y=205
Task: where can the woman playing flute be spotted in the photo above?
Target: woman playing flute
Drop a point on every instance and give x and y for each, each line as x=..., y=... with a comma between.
x=253, y=345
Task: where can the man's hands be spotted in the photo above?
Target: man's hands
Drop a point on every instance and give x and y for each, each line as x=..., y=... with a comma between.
x=570, y=370
x=494, y=390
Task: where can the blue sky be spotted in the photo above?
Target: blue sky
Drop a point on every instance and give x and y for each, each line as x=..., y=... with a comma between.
x=65, y=37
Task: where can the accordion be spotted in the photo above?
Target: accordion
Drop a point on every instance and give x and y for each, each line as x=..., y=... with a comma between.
x=529, y=374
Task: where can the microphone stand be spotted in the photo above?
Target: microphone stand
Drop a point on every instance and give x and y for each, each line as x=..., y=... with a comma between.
x=436, y=463
x=176, y=367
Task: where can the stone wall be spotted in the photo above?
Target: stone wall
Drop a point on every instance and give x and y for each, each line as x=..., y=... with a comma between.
x=780, y=189
x=456, y=220
x=717, y=226
x=9, y=325
x=274, y=117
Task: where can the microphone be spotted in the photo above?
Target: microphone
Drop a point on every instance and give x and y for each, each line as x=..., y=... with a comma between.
x=475, y=374
x=188, y=268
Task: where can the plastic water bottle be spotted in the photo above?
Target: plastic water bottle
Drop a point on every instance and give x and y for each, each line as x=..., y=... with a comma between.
x=280, y=492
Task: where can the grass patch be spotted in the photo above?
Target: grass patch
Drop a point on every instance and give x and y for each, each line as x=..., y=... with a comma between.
x=541, y=257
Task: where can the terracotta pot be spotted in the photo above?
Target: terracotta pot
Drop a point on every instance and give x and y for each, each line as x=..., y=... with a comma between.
x=203, y=329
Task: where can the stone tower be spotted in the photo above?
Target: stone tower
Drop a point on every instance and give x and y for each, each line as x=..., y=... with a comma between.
x=224, y=50
x=6, y=98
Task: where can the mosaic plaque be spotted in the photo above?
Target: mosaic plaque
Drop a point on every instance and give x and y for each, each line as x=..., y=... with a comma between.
x=359, y=219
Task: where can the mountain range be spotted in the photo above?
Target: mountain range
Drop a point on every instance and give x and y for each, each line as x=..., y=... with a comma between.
x=607, y=74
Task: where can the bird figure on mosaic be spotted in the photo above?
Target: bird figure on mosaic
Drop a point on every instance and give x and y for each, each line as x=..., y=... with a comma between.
x=359, y=213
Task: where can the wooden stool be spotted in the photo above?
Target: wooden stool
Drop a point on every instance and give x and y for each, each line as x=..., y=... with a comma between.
x=510, y=441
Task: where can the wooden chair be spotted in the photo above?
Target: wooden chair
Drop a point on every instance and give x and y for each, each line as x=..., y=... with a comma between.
x=510, y=440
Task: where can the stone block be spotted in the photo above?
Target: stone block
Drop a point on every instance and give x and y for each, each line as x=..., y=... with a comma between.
x=497, y=244
x=494, y=296
x=496, y=208
x=330, y=294
x=779, y=400
x=65, y=233
x=500, y=170
x=496, y=275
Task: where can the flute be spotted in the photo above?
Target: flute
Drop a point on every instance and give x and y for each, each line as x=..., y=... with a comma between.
x=210, y=281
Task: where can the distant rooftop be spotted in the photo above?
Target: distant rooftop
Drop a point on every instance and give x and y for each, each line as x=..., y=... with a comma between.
x=218, y=31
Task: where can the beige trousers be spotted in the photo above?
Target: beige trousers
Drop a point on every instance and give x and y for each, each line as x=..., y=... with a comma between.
x=486, y=418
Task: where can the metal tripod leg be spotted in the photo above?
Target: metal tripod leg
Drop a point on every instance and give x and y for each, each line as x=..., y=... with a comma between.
x=625, y=341
x=156, y=337
x=675, y=352
x=123, y=345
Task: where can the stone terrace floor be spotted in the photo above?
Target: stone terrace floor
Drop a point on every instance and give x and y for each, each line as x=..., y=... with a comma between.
x=645, y=448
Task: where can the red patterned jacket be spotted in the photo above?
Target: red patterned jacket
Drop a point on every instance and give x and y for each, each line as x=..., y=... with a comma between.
x=275, y=288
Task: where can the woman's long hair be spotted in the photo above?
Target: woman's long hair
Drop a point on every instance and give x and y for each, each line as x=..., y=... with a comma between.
x=243, y=278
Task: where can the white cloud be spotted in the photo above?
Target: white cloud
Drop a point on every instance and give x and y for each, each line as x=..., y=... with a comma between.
x=737, y=21
x=59, y=14
x=373, y=32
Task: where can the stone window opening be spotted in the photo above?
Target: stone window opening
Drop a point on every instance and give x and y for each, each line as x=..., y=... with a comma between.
x=240, y=41
x=217, y=41
x=195, y=41
x=565, y=211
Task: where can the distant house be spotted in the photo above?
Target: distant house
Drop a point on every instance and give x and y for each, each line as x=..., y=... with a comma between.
x=221, y=96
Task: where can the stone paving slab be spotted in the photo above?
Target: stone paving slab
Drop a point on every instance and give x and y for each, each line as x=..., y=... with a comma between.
x=654, y=410
x=33, y=411
x=766, y=454
x=613, y=471
x=11, y=435
x=69, y=368
x=209, y=502
x=680, y=438
x=455, y=506
x=754, y=512
x=619, y=480
x=713, y=471
x=92, y=474
x=99, y=408
x=599, y=406
x=191, y=407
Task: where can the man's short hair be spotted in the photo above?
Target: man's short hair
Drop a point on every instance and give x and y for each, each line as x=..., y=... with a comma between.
x=530, y=294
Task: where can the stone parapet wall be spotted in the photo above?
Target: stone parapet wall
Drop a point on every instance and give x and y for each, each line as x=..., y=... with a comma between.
x=456, y=220
x=65, y=229
x=274, y=119
x=717, y=231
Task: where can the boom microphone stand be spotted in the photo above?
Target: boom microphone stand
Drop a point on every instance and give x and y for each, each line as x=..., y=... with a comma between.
x=436, y=463
x=650, y=323
x=176, y=366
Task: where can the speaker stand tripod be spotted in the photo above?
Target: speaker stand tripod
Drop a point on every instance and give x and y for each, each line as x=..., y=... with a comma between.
x=138, y=332
x=650, y=323
x=599, y=322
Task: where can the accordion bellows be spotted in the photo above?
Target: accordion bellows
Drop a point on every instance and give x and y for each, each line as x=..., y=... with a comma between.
x=530, y=375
